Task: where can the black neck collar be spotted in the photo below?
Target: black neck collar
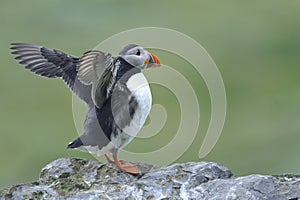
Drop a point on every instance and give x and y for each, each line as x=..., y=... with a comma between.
x=125, y=70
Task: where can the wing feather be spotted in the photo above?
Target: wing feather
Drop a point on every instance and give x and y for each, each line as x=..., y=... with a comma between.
x=52, y=64
x=98, y=69
x=92, y=65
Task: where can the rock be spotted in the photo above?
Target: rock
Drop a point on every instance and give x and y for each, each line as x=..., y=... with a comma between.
x=72, y=178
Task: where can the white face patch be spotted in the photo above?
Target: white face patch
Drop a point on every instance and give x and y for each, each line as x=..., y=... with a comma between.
x=136, y=57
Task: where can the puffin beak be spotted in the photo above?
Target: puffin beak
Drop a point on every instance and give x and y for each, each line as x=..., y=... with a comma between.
x=152, y=61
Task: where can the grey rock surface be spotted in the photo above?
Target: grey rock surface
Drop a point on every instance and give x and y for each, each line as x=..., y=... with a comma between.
x=72, y=178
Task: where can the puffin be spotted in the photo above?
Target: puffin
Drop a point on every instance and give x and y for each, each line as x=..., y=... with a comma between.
x=114, y=88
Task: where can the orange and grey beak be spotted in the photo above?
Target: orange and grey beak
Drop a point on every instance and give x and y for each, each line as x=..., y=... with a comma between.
x=152, y=62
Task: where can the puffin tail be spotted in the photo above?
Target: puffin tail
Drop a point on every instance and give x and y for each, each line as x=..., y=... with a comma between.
x=76, y=143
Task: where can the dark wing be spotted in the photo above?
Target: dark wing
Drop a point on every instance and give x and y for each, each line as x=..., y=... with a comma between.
x=52, y=64
x=99, y=70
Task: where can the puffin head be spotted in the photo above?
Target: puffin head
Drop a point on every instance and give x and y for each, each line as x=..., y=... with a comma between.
x=139, y=57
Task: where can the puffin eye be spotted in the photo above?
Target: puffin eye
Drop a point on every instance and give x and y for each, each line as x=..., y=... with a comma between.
x=138, y=52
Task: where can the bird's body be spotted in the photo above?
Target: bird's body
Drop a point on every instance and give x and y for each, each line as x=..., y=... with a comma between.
x=114, y=88
x=131, y=96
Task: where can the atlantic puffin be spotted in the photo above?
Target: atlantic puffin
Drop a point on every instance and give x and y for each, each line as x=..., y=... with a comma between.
x=116, y=92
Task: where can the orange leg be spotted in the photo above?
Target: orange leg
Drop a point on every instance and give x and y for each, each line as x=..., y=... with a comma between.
x=109, y=159
x=126, y=166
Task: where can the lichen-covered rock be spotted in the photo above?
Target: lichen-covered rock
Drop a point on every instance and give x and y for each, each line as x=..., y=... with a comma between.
x=71, y=178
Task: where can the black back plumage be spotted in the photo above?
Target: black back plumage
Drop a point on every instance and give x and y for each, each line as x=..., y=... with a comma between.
x=118, y=109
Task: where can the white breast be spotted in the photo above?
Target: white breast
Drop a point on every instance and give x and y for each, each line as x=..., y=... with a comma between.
x=140, y=89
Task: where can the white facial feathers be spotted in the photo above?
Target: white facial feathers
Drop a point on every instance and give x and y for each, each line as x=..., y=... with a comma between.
x=136, y=56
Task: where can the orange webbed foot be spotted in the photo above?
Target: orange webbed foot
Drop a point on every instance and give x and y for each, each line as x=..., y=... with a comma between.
x=126, y=166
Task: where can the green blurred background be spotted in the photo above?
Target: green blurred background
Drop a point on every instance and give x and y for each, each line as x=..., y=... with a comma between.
x=256, y=45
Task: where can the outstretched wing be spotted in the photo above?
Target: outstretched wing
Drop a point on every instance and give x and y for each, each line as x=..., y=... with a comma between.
x=98, y=69
x=52, y=64
x=92, y=66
